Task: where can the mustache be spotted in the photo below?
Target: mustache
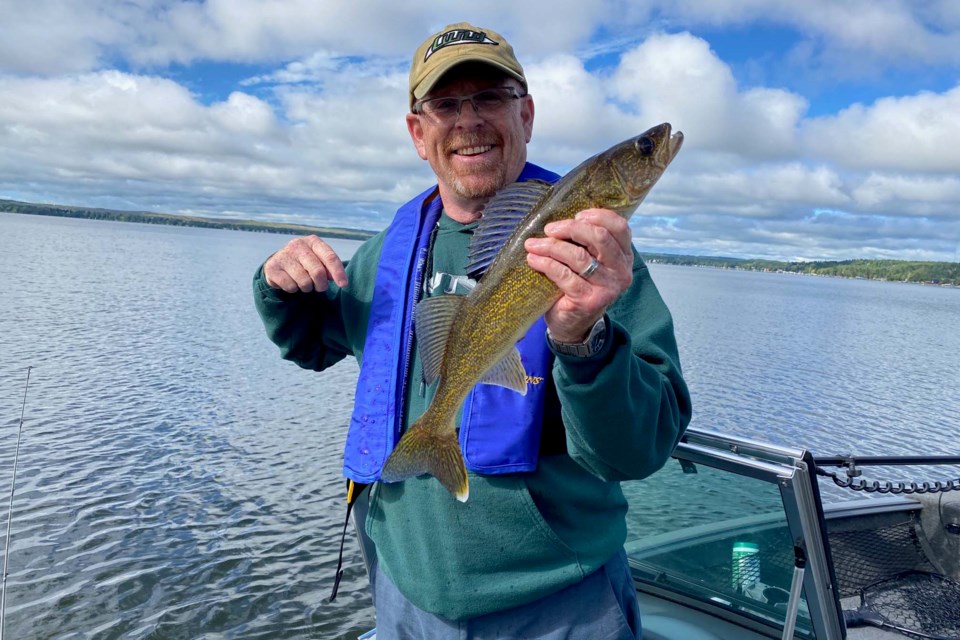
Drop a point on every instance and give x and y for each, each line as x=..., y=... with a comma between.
x=466, y=140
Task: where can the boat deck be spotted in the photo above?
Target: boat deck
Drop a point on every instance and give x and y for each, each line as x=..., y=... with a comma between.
x=898, y=565
x=892, y=559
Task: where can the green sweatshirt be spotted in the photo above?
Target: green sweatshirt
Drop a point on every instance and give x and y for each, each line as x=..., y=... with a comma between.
x=614, y=416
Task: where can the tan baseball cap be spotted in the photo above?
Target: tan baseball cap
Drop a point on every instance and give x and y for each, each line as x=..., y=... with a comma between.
x=456, y=44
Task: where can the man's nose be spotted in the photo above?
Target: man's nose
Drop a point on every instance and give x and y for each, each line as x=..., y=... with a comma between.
x=468, y=114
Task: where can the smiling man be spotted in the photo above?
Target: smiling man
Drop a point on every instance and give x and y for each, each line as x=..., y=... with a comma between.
x=537, y=550
x=473, y=155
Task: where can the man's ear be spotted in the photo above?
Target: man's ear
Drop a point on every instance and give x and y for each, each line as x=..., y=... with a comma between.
x=415, y=127
x=526, y=115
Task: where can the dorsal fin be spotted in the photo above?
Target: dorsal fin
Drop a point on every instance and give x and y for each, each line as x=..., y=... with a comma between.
x=500, y=217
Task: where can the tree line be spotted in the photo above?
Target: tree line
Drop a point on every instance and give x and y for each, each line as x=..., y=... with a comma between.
x=940, y=273
x=12, y=206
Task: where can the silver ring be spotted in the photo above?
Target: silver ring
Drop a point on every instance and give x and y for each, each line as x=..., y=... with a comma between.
x=586, y=273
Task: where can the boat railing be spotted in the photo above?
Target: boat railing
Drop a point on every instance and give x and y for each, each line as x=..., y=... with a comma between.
x=850, y=466
x=796, y=577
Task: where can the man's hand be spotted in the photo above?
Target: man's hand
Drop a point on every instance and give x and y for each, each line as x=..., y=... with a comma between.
x=304, y=264
x=566, y=252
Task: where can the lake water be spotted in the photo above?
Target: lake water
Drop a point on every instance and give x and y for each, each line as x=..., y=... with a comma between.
x=178, y=480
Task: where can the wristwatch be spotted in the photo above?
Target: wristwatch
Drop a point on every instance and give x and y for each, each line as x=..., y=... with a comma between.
x=591, y=345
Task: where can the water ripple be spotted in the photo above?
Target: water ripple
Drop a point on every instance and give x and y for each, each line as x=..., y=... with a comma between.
x=178, y=480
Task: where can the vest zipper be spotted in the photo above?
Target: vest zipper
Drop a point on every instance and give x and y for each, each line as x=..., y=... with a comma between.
x=408, y=361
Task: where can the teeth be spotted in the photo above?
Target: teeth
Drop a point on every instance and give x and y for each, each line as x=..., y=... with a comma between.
x=472, y=151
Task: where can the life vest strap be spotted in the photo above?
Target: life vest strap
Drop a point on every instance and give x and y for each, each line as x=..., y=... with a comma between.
x=354, y=489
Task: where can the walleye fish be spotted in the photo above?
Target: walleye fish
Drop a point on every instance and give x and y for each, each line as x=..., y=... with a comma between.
x=469, y=339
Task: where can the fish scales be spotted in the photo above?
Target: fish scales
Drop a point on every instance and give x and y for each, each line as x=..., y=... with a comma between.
x=482, y=328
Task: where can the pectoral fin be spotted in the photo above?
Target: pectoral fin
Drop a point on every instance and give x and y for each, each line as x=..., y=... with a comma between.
x=509, y=373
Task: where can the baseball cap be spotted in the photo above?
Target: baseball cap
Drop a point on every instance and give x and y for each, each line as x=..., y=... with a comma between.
x=455, y=44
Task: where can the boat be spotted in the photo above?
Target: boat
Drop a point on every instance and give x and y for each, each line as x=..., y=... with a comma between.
x=752, y=551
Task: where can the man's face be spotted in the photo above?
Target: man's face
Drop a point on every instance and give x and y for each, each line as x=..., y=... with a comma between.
x=474, y=156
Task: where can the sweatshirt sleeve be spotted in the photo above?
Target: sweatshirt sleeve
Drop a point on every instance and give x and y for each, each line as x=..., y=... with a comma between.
x=625, y=407
x=317, y=330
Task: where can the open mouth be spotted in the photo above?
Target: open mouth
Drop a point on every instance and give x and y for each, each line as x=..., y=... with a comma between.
x=676, y=140
x=474, y=151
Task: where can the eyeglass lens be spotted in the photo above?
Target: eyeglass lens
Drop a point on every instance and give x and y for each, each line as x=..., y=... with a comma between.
x=486, y=102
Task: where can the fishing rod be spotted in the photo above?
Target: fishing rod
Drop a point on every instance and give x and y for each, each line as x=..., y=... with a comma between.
x=13, y=484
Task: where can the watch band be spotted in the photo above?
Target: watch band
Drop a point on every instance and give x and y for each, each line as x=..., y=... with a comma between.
x=591, y=345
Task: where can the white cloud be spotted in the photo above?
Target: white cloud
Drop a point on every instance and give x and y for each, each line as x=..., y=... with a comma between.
x=79, y=36
x=314, y=68
x=56, y=36
x=767, y=191
x=909, y=133
x=319, y=136
x=678, y=78
x=243, y=114
x=910, y=196
x=895, y=31
x=121, y=131
x=373, y=27
x=108, y=107
x=573, y=117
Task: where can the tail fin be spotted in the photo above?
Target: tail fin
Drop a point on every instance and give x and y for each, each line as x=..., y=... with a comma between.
x=426, y=450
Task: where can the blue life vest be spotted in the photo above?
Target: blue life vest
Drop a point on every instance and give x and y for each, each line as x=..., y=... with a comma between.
x=500, y=428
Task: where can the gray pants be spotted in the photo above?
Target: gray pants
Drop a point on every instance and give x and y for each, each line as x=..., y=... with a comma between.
x=601, y=607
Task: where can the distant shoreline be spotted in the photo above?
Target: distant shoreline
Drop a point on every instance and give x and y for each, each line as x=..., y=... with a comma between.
x=930, y=273
x=948, y=285
x=944, y=274
x=63, y=211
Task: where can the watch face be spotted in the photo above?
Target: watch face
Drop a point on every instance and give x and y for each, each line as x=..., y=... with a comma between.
x=597, y=334
x=596, y=342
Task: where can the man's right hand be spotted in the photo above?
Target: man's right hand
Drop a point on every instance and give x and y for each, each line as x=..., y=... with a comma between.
x=304, y=264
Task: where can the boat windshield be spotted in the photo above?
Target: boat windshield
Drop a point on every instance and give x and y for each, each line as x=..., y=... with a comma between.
x=720, y=530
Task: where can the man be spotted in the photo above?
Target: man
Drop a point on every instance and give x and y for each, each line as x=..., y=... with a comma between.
x=537, y=550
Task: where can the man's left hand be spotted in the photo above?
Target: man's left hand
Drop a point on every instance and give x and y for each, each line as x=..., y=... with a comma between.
x=566, y=253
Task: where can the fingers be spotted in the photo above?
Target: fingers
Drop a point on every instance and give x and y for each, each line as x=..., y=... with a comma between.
x=304, y=264
x=558, y=271
x=565, y=256
x=601, y=231
x=595, y=234
x=329, y=260
x=560, y=260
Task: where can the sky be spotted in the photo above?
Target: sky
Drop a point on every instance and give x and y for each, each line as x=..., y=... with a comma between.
x=814, y=129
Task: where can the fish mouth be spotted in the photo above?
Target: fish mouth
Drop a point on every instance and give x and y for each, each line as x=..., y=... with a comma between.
x=651, y=153
x=667, y=152
x=673, y=145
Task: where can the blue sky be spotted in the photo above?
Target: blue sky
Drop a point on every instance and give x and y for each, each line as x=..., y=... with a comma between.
x=825, y=129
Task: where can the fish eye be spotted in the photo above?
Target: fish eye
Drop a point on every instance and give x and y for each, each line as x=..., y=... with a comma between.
x=646, y=145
